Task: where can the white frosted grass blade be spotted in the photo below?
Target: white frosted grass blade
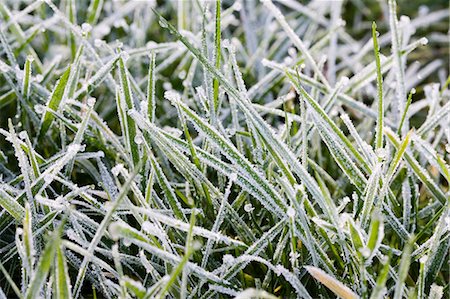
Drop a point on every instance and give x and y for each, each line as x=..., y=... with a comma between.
x=274, y=203
x=217, y=223
x=430, y=154
x=27, y=78
x=330, y=99
x=340, y=155
x=6, y=47
x=80, y=133
x=403, y=271
x=169, y=193
x=329, y=123
x=370, y=193
x=23, y=161
x=107, y=180
x=279, y=270
x=184, y=226
x=307, y=172
x=174, y=260
x=436, y=291
x=11, y=205
x=295, y=40
x=335, y=22
x=332, y=283
x=99, y=233
x=255, y=249
x=421, y=173
x=400, y=90
x=304, y=132
x=278, y=149
x=407, y=203
x=99, y=76
x=151, y=99
x=28, y=242
x=43, y=266
x=365, y=149
x=434, y=120
x=368, y=74
x=127, y=97
x=82, y=251
x=438, y=247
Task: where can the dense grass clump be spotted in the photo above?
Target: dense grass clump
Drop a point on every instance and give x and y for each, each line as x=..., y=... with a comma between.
x=217, y=149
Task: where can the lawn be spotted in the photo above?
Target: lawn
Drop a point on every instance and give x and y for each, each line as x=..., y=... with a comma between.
x=224, y=149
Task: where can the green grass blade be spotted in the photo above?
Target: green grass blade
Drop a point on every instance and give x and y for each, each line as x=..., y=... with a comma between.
x=62, y=276
x=44, y=264
x=379, y=132
x=130, y=127
x=53, y=103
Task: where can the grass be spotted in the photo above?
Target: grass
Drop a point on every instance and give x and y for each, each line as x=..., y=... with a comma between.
x=224, y=149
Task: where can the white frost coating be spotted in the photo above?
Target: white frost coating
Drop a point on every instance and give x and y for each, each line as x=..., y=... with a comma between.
x=147, y=226
x=365, y=252
x=344, y=81
x=86, y=28
x=38, y=78
x=237, y=6
x=423, y=259
x=447, y=222
x=126, y=242
x=167, y=86
x=279, y=270
x=178, y=224
x=39, y=109
x=23, y=135
x=248, y=207
x=292, y=52
x=345, y=200
x=295, y=39
x=125, y=56
x=175, y=132
x=153, y=229
x=381, y=153
x=91, y=102
x=290, y=212
x=228, y=259
x=436, y=291
x=138, y=139
x=226, y=43
x=148, y=267
x=116, y=170
x=114, y=231
x=233, y=177
x=293, y=257
x=98, y=42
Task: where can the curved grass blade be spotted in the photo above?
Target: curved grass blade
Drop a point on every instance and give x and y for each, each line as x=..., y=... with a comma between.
x=332, y=283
